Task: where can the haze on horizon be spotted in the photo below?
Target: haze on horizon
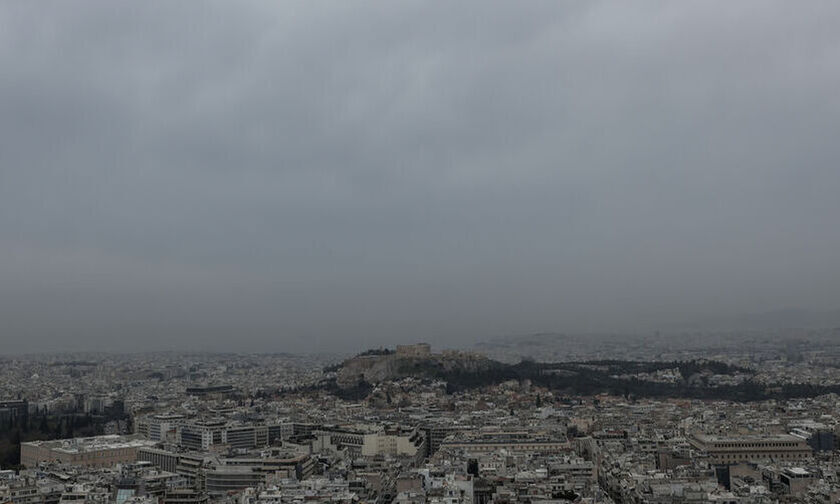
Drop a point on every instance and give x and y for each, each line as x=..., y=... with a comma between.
x=303, y=176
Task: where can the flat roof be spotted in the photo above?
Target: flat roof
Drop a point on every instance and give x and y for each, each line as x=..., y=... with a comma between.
x=95, y=443
x=746, y=437
x=797, y=471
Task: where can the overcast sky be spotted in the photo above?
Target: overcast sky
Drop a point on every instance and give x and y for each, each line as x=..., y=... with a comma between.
x=296, y=176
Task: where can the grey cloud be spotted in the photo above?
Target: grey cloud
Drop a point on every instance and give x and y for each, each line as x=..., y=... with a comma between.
x=265, y=176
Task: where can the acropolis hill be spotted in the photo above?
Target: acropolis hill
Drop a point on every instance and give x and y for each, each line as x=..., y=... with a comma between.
x=376, y=366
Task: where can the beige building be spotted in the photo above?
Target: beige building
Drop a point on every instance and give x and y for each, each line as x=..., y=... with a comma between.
x=99, y=451
x=396, y=442
x=751, y=448
x=512, y=441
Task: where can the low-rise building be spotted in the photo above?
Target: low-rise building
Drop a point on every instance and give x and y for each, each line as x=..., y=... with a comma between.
x=98, y=451
x=746, y=448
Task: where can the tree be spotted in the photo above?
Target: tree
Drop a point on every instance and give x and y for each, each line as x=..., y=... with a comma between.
x=14, y=456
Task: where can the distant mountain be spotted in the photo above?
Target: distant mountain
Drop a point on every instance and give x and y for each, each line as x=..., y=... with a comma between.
x=779, y=319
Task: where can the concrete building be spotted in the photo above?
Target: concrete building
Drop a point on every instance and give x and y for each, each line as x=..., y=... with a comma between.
x=298, y=466
x=796, y=480
x=99, y=451
x=437, y=432
x=750, y=448
x=160, y=427
x=227, y=478
x=201, y=434
x=245, y=436
x=518, y=442
x=164, y=459
x=397, y=442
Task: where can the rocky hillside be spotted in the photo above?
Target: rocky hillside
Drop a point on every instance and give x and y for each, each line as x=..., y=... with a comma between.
x=378, y=367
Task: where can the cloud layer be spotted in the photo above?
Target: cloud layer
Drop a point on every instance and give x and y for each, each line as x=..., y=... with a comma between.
x=334, y=175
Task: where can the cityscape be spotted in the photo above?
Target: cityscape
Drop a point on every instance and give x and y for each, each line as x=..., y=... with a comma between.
x=413, y=425
x=419, y=252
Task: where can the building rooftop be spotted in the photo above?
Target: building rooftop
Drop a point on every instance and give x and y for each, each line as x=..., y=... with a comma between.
x=82, y=445
x=756, y=437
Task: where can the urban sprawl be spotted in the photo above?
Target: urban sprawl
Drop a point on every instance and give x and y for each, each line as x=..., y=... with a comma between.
x=545, y=419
